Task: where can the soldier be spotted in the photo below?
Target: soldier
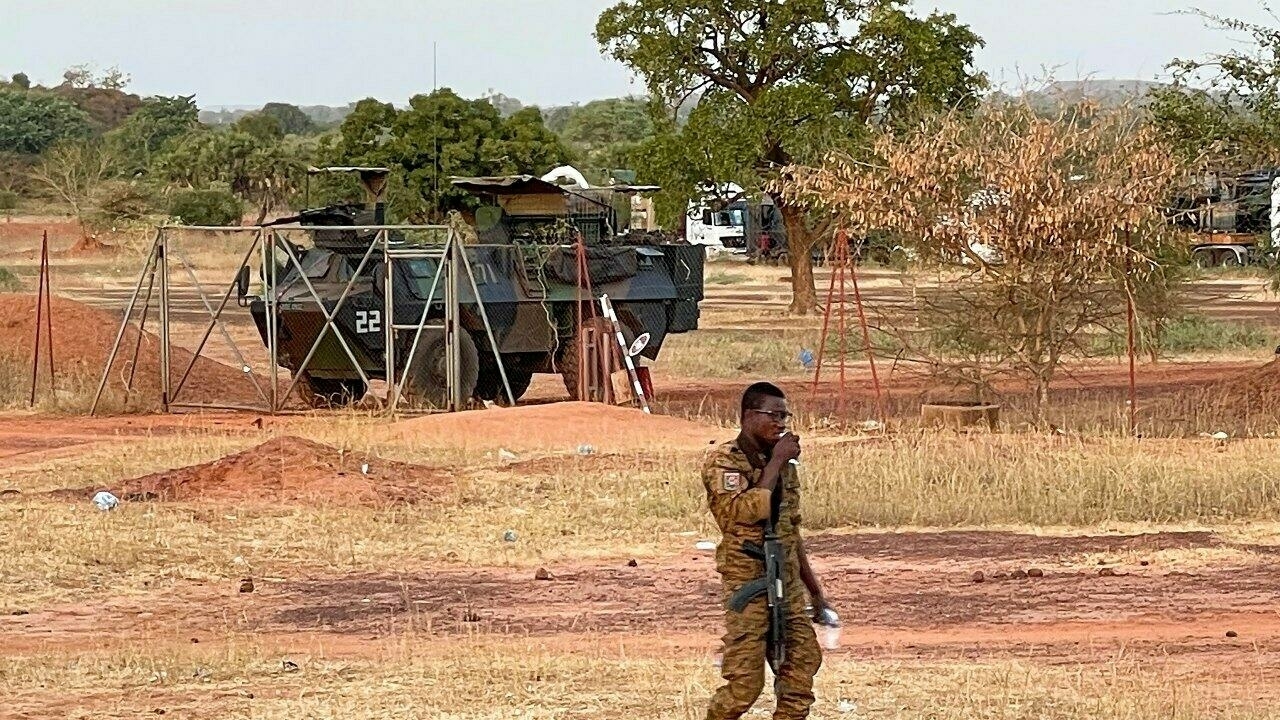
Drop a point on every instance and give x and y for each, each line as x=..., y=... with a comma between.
x=754, y=495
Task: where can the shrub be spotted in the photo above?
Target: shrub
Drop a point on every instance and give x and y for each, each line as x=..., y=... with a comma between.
x=205, y=207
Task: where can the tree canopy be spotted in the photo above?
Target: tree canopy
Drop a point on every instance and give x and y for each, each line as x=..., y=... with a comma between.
x=32, y=121
x=442, y=135
x=782, y=82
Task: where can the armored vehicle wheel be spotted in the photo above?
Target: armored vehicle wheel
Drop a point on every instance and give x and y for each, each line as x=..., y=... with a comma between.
x=489, y=385
x=428, y=380
x=569, y=359
x=327, y=392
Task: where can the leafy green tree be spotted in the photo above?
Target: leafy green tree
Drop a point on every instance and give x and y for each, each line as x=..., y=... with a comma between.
x=263, y=172
x=210, y=206
x=21, y=81
x=30, y=121
x=158, y=121
x=260, y=125
x=290, y=118
x=782, y=81
x=439, y=136
x=605, y=133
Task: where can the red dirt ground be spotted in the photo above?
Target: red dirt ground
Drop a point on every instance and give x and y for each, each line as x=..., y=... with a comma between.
x=288, y=470
x=907, y=595
x=82, y=340
x=561, y=426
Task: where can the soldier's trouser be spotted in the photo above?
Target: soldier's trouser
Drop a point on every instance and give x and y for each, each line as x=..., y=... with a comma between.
x=745, y=640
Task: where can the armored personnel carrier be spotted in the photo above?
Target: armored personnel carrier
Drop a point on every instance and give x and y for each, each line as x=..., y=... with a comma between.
x=525, y=264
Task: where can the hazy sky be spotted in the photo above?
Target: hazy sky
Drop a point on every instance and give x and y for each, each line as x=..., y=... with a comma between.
x=248, y=52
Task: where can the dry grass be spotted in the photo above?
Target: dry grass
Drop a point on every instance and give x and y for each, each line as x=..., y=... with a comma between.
x=579, y=509
x=488, y=679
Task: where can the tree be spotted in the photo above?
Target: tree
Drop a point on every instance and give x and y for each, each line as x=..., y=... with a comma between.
x=781, y=82
x=143, y=134
x=605, y=133
x=21, y=81
x=439, y=136
x=1036, y=233
x=72, y=171
x=263, y=172
x=32, y=121
x=260, y=125
x=290, y=118
x=1226, y=104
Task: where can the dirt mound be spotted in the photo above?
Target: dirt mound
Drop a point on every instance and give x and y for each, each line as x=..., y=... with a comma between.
x=82, y=339
x=561, y=427
x=291, y=470
x=89, y=246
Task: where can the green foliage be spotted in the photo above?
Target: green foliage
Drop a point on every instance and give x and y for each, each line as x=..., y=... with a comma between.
x=780, y=82
x=117, y=202
x=8, y=201
x=438, y=136
x=290, y=118
x=8, y=281
x=32, y=121
x=606, y=133
x=20, y=81
x=1196, y=333
x=1226, y=105
x=144, y=133
x=206, y=207
x=262, y=171
x=261, y=126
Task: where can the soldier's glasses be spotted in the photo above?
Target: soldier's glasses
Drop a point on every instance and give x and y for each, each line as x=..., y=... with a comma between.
x=777, y=415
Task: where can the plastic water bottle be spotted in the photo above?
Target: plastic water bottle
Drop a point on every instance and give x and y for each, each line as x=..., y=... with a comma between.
x=828, y=627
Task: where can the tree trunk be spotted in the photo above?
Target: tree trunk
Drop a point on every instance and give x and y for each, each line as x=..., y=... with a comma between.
x=804, y=298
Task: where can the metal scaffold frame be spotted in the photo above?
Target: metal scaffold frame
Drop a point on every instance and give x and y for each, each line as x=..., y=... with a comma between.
x=268, y=241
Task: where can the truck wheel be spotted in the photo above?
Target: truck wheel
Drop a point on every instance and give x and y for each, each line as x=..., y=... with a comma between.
x=427, y=384
x=329, y=393
x=569, y=359
x=489, y=385
x=1230, y=259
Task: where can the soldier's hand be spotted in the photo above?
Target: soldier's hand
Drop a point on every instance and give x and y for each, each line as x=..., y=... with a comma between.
x=787, y=448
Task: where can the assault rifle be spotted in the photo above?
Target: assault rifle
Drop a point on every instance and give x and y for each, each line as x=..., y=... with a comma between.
x=771, y=584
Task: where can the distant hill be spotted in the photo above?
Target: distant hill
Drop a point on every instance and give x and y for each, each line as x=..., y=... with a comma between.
x=322, y=115
x=1107, y=93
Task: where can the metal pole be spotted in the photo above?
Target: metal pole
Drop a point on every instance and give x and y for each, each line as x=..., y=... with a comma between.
x=35, y=355
x=162, y=262
x=453, y=354
x=48, y=302
x=137, y=346
x=215, y=316
x=147, y=268
x=488, y=330
x=388, y=311
x=269, y=307
x=422, y=319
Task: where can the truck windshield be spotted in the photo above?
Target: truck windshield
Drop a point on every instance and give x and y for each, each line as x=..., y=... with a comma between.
x=728, y=218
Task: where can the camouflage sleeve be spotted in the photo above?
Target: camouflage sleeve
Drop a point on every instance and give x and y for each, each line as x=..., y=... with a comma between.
x=732, y=501
x=791, y=488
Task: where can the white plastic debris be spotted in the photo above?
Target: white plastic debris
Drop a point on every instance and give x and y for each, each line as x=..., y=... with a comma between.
x=506, y=455
x=871, y=426
x=509, y=536
x=704, y=545
x=585, y=449
x=106, y=501
x=1220, y=436
x=846, y=706
x=364, y=468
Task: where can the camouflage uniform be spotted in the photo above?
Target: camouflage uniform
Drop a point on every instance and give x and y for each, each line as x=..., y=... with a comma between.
x=741, y=509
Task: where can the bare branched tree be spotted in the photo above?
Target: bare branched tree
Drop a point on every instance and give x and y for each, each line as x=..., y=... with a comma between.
x=1029, y=234
x=71, y=171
